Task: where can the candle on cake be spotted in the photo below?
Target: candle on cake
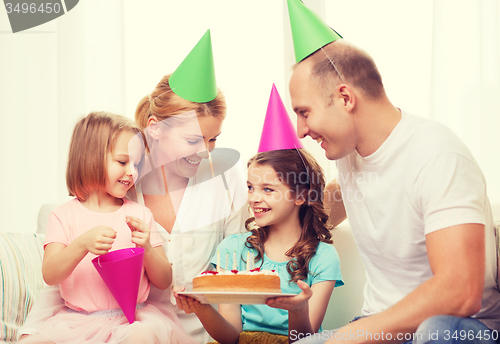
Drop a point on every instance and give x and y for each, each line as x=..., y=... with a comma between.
x=227, y=260
x=251, y=261
x=234, y=260
x=218, y=261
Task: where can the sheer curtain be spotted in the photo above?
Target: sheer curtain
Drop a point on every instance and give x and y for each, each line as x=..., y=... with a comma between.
x=51, y=75
x=465, y=84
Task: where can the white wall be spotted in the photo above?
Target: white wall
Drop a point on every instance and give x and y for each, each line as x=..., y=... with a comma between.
x=106, y=55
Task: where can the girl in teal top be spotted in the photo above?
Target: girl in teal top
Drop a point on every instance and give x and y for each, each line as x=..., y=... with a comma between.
x=288, y=234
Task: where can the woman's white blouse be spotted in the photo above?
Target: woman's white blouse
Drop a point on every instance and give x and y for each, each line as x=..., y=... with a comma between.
x=211, y=209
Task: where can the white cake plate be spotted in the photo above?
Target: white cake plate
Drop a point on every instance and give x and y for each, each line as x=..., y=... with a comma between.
x=248, y=298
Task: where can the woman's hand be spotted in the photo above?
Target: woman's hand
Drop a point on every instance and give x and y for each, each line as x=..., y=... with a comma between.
x=297, y=304
x=140, y=232
x=186, y=303
x=98, y=240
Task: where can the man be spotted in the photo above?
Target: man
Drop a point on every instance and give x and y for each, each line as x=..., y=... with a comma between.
x=415, y=198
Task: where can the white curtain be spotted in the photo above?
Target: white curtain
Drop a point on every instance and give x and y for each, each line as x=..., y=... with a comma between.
x=50, y=76
x=465, y=84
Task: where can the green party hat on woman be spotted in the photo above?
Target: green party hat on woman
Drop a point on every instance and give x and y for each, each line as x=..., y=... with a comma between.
x=194, y=79
x=309, y=31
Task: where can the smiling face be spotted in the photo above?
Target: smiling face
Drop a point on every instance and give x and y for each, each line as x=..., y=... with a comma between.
x=325, y=122
x=119, y=166
x=272, y=201
x=183, y=146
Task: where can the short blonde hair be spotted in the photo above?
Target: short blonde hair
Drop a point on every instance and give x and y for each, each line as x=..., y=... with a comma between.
x=93, y=137
x=163, y=103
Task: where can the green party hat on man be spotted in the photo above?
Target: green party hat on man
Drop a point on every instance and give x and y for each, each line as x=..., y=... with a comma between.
x=309, y=31
x=194, y=79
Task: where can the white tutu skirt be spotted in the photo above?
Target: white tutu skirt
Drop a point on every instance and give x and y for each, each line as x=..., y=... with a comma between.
x=154, y=323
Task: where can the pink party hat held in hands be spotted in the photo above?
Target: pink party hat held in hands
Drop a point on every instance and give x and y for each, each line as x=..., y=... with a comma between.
x=121, y=270
x=278, y=132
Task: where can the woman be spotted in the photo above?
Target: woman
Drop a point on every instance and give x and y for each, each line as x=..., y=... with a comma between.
x=195, y=201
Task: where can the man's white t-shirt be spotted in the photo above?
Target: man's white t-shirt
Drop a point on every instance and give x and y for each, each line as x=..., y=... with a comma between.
x=420, y=180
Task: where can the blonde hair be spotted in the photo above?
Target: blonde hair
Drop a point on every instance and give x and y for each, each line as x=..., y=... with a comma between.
x=164, y=103
x=93, y=137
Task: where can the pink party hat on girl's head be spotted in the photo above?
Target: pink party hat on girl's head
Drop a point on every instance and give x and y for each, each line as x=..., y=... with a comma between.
x=278, y=132
x=121, y=270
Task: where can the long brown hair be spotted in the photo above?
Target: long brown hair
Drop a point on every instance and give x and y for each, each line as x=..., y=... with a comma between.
x=297, y=169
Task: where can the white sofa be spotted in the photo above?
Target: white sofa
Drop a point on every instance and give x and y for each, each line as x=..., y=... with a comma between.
x=21, y=279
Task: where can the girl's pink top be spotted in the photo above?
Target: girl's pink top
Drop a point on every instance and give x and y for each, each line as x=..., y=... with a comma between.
x=84, y=289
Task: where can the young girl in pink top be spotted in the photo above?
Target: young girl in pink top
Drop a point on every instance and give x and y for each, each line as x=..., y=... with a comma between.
x=101, y=169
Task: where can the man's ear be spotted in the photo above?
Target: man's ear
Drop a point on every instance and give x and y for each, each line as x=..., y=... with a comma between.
x=153, y=127
x=347, y=96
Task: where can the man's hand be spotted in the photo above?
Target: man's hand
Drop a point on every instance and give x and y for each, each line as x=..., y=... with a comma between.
x=334, y=205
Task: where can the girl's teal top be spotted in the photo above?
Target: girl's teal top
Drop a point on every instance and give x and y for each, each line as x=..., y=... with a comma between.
x=324, y=266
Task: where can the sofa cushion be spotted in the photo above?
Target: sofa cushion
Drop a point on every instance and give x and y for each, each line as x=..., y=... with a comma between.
x=43, y=217
x=20, y=281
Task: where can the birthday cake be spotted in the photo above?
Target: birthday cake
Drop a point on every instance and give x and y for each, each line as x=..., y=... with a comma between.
x=255, y=280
